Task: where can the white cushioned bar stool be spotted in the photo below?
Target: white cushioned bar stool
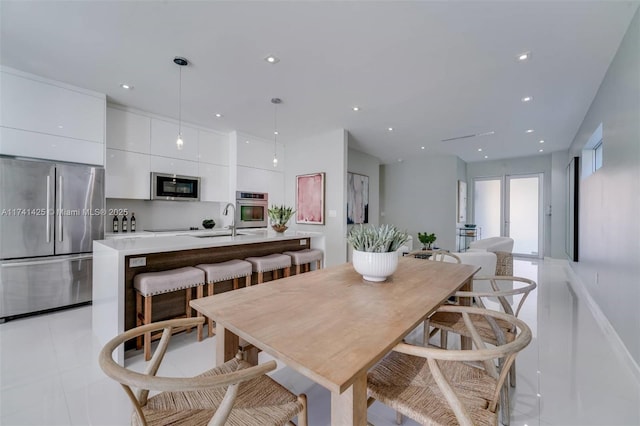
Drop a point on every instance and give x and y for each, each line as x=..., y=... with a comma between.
x=149, y=284
x=223, y=271
x=270, y=262
x=304, y=258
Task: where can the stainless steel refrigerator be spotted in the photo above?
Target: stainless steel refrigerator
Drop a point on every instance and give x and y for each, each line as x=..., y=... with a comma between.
x=50, y=213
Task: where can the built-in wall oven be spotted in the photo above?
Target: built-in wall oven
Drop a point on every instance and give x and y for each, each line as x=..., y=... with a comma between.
x=251, y=209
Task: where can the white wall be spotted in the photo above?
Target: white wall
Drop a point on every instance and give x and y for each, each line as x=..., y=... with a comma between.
x=517, y=166
x=420, y=196
x=368, y=165
x=609, y=233
x=168, y=214
x=326, y=153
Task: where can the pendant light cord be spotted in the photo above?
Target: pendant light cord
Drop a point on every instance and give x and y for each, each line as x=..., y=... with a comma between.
x=180, y=102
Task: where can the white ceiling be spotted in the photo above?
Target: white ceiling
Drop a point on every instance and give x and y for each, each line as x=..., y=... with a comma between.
x=430, y=70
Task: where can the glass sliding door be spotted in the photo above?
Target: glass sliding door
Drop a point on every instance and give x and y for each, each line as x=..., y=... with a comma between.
x=524, y=213
x=511, y=206
x=487, y=206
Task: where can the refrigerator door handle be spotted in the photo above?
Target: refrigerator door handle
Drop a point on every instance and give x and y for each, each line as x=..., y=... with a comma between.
x=59, y=259
x=48, y=219
x=60, y=209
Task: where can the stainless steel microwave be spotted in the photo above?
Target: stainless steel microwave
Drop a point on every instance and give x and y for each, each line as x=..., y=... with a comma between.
x=174, y=187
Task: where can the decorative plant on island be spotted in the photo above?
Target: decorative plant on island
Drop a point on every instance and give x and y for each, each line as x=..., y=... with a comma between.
x=426, y=240
x=374, y=250
x=279, y=216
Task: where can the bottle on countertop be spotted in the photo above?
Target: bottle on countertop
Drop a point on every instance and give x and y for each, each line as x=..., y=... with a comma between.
x=132, y=222
x=115, y=223
x=124, y=223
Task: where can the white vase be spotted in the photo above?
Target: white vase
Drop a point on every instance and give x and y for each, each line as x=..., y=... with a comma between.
x=375, y=267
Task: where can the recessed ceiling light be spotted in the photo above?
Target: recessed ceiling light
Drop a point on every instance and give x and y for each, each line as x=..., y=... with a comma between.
x=486, y=156
x=479, y=149
x=527, y=99
x=422, y=147
x=272, y=59
x=541, y=150
x=218, y=115
x=524, y=56
x=356, y=108
x=246, y=141
x=400, y=160
x=529, y=131
x=390, y=129
x=60, y=126
x=541, y=141
x=126, y=86
x=275, y=133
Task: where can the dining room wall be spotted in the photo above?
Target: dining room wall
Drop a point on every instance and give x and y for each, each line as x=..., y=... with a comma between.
x=325, y=152
x=368, y=165
x=420, y=195
x=609, y=229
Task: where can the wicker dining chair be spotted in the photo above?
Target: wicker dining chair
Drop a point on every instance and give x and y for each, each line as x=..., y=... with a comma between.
x=437, y=386
x=234, y=393
x=435, y=255
x=506, y=294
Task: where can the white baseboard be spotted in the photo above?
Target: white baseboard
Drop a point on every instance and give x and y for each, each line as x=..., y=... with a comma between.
x=614, y=340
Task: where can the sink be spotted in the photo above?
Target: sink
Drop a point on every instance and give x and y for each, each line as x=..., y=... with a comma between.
x=226, y=234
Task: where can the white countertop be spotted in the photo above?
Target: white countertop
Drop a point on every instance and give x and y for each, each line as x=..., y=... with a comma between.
x=187, y=240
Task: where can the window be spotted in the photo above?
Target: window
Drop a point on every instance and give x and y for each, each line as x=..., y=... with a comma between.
x=592, y=153
x=597, y=156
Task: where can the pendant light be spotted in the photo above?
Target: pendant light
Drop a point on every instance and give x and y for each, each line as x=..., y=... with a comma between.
x=181, y=62
x=275, y=102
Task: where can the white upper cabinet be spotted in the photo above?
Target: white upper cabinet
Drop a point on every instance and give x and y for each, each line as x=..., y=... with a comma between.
x=214, y=182
x=253, y=152
x=213, y=148
x=35, y=105
x=260, y=180
x=127, y=175
x=163, y=140
x=173, y=166
x=128, y=131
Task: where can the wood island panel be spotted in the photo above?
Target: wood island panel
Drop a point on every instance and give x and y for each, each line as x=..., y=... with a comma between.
x=172, y=304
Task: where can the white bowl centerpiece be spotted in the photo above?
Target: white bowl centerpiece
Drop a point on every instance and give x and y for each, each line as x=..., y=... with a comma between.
x=279, y=216
x=374, y=250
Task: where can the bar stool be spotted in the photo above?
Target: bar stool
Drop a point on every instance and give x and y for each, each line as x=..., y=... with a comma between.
x=223, y=271
x=305, y=257
x=149, y=284
x=270, y=262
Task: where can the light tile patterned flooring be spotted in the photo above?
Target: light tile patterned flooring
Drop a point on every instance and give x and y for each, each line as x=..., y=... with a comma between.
x=568, y=375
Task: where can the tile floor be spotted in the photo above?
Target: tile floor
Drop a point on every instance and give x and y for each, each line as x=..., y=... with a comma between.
x=568, y=375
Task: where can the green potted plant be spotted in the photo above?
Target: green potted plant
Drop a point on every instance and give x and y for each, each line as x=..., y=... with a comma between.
x=426, y=240
x=374, y=250
x=279, y=216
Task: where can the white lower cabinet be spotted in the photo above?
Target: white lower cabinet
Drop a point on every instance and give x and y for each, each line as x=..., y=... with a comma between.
x=173, y=166
x=214, y=181
x=127, y=175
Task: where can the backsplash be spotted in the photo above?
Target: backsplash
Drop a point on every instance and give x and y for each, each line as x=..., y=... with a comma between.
x=168, y=214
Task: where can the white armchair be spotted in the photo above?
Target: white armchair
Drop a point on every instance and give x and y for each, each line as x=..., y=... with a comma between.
x=493, y=244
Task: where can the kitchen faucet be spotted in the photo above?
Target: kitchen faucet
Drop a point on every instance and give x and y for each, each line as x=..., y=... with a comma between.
x=233, y=218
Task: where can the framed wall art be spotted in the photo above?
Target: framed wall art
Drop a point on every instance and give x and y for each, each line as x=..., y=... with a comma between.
x=310, y=199
x=357, y=198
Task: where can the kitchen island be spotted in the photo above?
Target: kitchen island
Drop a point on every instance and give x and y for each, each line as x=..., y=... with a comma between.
x=117, y=261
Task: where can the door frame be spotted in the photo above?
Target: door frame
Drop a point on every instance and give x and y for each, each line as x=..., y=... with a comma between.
x=506, y=213
x=504, y=206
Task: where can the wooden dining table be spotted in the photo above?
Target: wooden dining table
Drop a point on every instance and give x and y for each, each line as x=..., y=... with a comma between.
x=332, y=326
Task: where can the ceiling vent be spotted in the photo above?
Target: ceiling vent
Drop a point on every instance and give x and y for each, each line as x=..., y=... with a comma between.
x=469, y=136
